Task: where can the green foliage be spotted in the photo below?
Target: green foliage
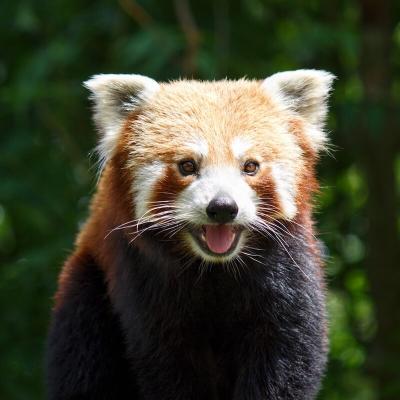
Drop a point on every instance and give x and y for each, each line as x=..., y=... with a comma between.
x=47, y=176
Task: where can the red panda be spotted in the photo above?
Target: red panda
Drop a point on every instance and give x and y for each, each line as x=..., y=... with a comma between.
x=197, y=274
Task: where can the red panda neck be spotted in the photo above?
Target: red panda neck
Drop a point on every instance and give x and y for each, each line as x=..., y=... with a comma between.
x=111, y=206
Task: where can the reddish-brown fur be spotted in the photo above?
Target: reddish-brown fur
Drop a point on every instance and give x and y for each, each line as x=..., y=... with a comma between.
x=232, y=304
x=219, y=112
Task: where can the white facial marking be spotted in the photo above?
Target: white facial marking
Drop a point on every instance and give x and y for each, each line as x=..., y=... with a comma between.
x=214, y=180
x=239, y=146
x=199, y=146
x=285, y=183
x=143, y=186
x=193, y=201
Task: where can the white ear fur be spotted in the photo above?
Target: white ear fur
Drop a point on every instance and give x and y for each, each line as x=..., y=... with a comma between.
x=114, y=96
x=304, y=92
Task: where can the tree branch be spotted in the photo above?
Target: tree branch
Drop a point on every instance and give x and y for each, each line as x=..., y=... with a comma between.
x=136, y=12
x=192, y=35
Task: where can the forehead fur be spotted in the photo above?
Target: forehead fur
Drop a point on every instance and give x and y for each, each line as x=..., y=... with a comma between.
x=213, y=114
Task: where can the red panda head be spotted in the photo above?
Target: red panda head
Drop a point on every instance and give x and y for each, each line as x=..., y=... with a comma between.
x=214, y=163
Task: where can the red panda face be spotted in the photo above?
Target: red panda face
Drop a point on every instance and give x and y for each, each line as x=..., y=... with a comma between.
x=213, y=163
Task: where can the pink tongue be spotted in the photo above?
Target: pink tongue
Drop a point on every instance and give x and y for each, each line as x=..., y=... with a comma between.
x=219, y=238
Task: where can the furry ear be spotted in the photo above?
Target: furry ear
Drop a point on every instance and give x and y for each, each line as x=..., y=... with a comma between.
x=304, y=92
x=114, y=97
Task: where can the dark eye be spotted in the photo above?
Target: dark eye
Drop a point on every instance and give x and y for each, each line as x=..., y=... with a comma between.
x=251, y=167
x=188, y=167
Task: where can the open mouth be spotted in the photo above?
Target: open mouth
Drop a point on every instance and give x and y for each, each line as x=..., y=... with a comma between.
x=217, y=240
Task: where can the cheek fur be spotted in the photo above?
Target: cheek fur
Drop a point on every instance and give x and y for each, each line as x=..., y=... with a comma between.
x=265, y=188
x=307, y=182
x=286, y=188
x=145, y=180
x=168, y=187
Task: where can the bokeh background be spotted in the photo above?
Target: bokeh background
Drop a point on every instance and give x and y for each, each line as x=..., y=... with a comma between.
x=48, y=47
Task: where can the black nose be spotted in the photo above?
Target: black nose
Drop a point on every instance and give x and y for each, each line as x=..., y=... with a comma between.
x=222, y=209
